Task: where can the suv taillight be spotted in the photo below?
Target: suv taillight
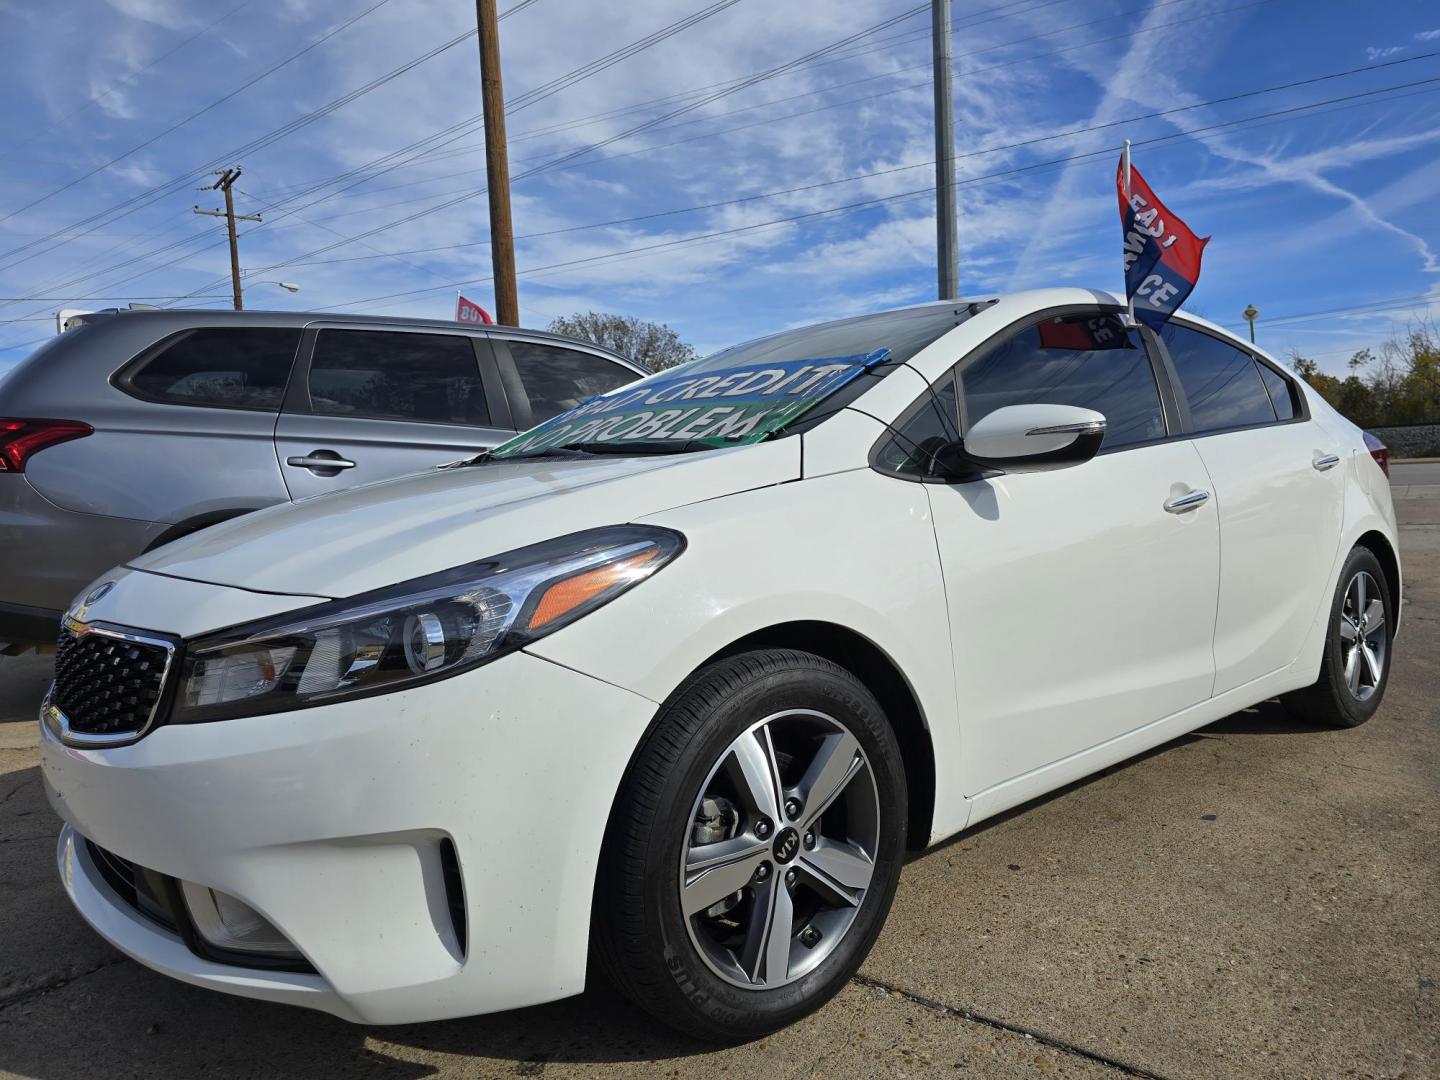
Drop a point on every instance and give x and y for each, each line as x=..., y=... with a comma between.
x=21, y=439
x=1379, y=452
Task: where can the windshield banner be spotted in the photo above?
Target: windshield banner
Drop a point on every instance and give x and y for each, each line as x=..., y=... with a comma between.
x=716, y=408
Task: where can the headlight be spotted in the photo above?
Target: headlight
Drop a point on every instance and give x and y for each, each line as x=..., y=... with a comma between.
x=427, y=628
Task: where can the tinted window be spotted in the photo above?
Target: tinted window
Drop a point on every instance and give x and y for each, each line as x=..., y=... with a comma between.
x=557, y=379
x=244, y=368
x=1093, y=362
x=393, y=376
x=913, y=445
x=1281, y=394
x=1220, y=381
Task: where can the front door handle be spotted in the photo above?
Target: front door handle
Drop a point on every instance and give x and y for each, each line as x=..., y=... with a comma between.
x=1329, y=461
x=1189, y=501
x=317, y=460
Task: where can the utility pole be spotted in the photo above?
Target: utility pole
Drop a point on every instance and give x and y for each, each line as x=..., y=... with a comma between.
x=497, y=165
x=225, y=183
x=947, y=259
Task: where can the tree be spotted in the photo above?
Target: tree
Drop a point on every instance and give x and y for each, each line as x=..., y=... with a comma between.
x=653, y=344
x=1398, y=384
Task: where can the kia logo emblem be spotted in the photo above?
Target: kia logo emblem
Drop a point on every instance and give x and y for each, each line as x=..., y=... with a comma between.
x=786, y=845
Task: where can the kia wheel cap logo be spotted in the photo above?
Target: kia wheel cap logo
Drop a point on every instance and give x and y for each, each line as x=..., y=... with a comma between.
x=786, y=845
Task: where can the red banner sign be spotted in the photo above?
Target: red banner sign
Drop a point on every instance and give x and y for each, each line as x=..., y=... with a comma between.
x=468, y=311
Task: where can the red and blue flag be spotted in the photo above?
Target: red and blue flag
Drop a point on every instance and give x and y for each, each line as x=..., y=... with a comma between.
x=1162, y=255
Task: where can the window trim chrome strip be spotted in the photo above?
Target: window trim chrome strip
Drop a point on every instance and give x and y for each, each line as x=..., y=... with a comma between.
x=58, y=724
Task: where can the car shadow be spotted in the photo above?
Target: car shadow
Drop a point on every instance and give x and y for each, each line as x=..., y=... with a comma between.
x=70, y=1006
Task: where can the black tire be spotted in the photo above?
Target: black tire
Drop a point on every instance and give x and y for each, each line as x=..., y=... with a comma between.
x=1330, y=699
x=642, y=938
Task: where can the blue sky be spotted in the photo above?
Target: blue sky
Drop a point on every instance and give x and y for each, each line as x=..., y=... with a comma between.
x=1314, y=213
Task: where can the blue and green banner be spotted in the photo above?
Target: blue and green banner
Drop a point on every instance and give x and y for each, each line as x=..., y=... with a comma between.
x=711, y=407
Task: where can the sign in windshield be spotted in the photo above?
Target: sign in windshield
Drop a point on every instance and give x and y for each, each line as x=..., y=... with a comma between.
x=727, y=407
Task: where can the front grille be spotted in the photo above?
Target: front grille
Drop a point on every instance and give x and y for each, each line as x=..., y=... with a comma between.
x=107, y=683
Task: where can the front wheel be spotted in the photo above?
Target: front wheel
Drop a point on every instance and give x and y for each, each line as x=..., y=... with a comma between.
x=754, y=848
x=1355, y=666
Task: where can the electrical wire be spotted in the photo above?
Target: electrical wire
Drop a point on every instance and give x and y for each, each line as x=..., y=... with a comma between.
x=916, y=193
x=1068, y=133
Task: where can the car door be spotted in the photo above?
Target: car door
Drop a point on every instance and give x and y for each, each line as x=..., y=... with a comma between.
x=1278, y=482
x=543, y=378
x=1081, y=600
x=369, y=405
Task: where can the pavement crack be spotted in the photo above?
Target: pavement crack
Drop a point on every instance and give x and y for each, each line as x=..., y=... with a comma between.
x=57, y=983
x=1122, y=1067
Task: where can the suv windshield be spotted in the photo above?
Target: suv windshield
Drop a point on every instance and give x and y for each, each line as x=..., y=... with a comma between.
x=746, y=393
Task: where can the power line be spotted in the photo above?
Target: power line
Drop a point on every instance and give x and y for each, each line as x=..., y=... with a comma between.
x=130, y=78
x=759, y=77
x=914, y=194
x=201, y=112
x=1068, y=133
x=569, y=79
x=472, y=192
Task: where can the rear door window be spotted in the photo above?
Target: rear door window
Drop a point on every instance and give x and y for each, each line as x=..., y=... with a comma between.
x=1282, y=394
x=556, y=378
x=1092, y=361
x=382, y=375
x=234, y=367
x=1221, y=383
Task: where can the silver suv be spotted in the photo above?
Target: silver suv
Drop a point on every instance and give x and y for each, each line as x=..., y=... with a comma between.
x=138, y=427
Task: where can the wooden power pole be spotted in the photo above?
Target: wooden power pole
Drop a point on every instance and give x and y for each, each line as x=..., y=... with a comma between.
x=497, y=165
x=225, y=183
x=946, y=258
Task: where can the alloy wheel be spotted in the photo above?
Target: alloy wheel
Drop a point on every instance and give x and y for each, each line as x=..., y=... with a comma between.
x=779, y=850
x=1363, y=638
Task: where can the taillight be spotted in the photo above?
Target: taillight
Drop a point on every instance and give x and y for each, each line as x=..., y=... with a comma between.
x=1379, y=452
x=21, y=439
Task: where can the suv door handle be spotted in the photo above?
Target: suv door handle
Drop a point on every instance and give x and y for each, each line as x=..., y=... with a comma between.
x=1329, y=461
x=1188, y=501
x=313, y=462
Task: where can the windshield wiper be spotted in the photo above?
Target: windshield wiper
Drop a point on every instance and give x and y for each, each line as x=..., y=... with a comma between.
x=639, y=446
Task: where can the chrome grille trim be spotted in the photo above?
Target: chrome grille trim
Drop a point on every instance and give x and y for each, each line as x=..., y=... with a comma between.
x=60, y=725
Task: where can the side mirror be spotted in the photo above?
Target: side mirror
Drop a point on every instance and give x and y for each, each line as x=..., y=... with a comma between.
x=1027, y=438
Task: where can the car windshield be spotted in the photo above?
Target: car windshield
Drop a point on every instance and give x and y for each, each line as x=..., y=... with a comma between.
x=761, y=389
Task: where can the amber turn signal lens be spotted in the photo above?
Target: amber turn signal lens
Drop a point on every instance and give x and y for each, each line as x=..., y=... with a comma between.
x=565, y=596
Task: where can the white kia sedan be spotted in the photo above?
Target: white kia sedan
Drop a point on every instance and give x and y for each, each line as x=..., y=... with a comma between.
x=677, y=678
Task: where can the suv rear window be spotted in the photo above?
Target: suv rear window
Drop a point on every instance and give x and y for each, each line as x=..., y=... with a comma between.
x=556, y=379
x=387, y=375
x=236, y=367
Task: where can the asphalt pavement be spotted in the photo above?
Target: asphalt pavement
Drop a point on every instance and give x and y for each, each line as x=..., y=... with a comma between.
x=1257, y=899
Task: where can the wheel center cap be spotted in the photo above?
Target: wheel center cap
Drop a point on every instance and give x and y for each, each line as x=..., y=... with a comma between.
x=787, y=845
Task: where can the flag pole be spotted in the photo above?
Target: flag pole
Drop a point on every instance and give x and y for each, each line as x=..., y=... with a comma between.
x=1126, y=170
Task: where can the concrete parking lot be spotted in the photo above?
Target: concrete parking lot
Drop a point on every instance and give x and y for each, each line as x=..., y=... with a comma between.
x=1259, y=899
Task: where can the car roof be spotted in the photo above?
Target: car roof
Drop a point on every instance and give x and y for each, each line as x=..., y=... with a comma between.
x=168, y=319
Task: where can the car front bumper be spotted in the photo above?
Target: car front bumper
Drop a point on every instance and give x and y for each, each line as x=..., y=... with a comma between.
x=330, y=823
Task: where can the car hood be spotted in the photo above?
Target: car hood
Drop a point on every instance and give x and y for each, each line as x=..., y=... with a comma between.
x=368, y=537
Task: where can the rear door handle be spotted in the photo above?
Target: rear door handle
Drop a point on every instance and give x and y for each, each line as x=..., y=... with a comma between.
x=312, y=462
x=1188, y=501
x=1329, y=461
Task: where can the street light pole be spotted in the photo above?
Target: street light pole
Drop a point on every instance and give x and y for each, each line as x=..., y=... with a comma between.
x=947, y=258
x=1250, y=314
x=497, y=165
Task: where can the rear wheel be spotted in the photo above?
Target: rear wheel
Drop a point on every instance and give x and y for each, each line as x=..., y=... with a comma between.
x=755, y=847
x=1356, y=663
